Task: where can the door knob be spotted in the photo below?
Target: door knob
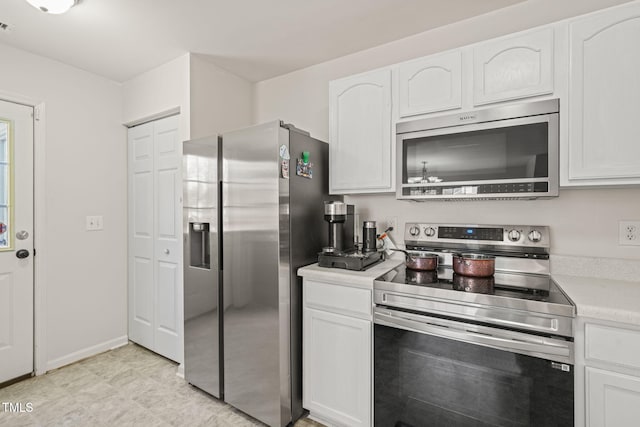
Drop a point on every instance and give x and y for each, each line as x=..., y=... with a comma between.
x=167, y=251
x=22, y=253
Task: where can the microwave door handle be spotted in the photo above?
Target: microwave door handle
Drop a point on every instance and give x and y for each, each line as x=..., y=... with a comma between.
x=455, y=330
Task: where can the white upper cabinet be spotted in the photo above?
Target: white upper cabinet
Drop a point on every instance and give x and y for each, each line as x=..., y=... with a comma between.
x=604, y=98
x=361, y=155
x=430, y=84
x=514, y=67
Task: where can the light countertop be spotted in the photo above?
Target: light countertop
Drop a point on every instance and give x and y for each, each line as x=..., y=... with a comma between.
x=604, y=299
x=596, y=298
x=363, y=279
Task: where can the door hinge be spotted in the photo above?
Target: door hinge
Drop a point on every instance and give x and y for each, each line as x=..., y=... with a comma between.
x=36, y=113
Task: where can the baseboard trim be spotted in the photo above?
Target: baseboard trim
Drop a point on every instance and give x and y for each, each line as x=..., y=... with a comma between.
x=87, y=352
x=180, y=371
x=321, y=420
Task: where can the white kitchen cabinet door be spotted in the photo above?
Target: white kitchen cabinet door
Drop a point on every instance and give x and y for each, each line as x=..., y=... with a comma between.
x=430, y=84
x=360, y=137
x=155, y=244
x=512, y=68
x=603, y=98
x=337, y=368
x=613, y=399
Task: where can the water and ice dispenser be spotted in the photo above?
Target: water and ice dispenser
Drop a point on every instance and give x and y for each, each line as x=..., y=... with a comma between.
x=199, y=245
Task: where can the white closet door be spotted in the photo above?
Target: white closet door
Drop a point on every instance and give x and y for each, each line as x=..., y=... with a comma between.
x=141, y=235
x=167, y=238
x=155, y=245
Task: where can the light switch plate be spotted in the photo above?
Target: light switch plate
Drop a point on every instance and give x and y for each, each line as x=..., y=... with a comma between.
x=629, y=233
x=94, y=223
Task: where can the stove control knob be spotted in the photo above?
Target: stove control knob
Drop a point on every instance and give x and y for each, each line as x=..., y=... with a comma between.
x=535, y=236
x=429, y=231
x=514, y=235
x=414, y=231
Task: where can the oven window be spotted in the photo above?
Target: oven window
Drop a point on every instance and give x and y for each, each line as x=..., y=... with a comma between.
x=515, y=152
x=423, y=380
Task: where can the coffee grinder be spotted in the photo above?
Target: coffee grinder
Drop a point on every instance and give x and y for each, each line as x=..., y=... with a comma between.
x=341, y=251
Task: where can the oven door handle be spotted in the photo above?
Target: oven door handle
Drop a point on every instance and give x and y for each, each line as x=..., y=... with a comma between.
x=532, y=345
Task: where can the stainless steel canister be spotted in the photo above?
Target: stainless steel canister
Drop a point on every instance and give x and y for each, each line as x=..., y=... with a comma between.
x=369, y=238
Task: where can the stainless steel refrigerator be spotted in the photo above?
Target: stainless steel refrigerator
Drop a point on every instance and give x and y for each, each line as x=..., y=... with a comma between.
x=274, y=181
x=201, y=230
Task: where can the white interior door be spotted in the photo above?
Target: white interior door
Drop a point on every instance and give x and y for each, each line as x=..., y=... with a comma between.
x=155, y=242
x=16, y=240
x=168, y=238
x=141, y=280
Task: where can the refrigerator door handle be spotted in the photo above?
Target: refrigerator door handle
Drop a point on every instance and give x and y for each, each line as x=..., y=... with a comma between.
x=220, y=227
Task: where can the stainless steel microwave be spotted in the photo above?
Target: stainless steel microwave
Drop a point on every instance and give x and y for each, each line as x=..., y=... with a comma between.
x=506, y=152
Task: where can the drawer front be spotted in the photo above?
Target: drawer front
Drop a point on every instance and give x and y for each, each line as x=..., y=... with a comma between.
x=612, y=345
x=341, y=299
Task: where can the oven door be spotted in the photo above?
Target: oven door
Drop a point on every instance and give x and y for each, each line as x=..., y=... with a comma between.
x=438, y=372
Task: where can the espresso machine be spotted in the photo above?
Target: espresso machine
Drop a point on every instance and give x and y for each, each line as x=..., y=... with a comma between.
x=341, y=251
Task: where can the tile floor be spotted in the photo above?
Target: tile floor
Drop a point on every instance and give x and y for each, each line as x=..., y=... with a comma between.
x=128, y=386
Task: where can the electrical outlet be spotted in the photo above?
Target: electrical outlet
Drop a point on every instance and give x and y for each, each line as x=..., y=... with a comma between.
x=629, y=233
x=94, y=223
x=389, y=222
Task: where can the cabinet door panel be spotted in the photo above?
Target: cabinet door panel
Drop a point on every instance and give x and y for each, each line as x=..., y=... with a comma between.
x=604, y=93
x=360, y=133
x=337, y=367
x=430, y=84
x=613, y=399
x=513, y=68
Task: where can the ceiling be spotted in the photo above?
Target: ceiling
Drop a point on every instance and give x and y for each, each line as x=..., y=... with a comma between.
x=255, y=39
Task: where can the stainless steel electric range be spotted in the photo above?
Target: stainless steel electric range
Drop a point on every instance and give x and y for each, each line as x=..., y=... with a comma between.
x=452, y=350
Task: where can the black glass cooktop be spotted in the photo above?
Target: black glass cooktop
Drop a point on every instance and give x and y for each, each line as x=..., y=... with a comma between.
x=508, y=285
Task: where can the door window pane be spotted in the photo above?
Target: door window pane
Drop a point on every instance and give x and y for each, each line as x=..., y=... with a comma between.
x=6, y=186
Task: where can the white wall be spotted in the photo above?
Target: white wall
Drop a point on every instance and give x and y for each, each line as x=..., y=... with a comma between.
x=159, y=90
x=220, y=101
x=583, y=222
x=85, y=155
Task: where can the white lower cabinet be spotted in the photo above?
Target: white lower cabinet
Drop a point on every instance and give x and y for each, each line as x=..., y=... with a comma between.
x=611, y=374
x=337, y=344
x=613, y=399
